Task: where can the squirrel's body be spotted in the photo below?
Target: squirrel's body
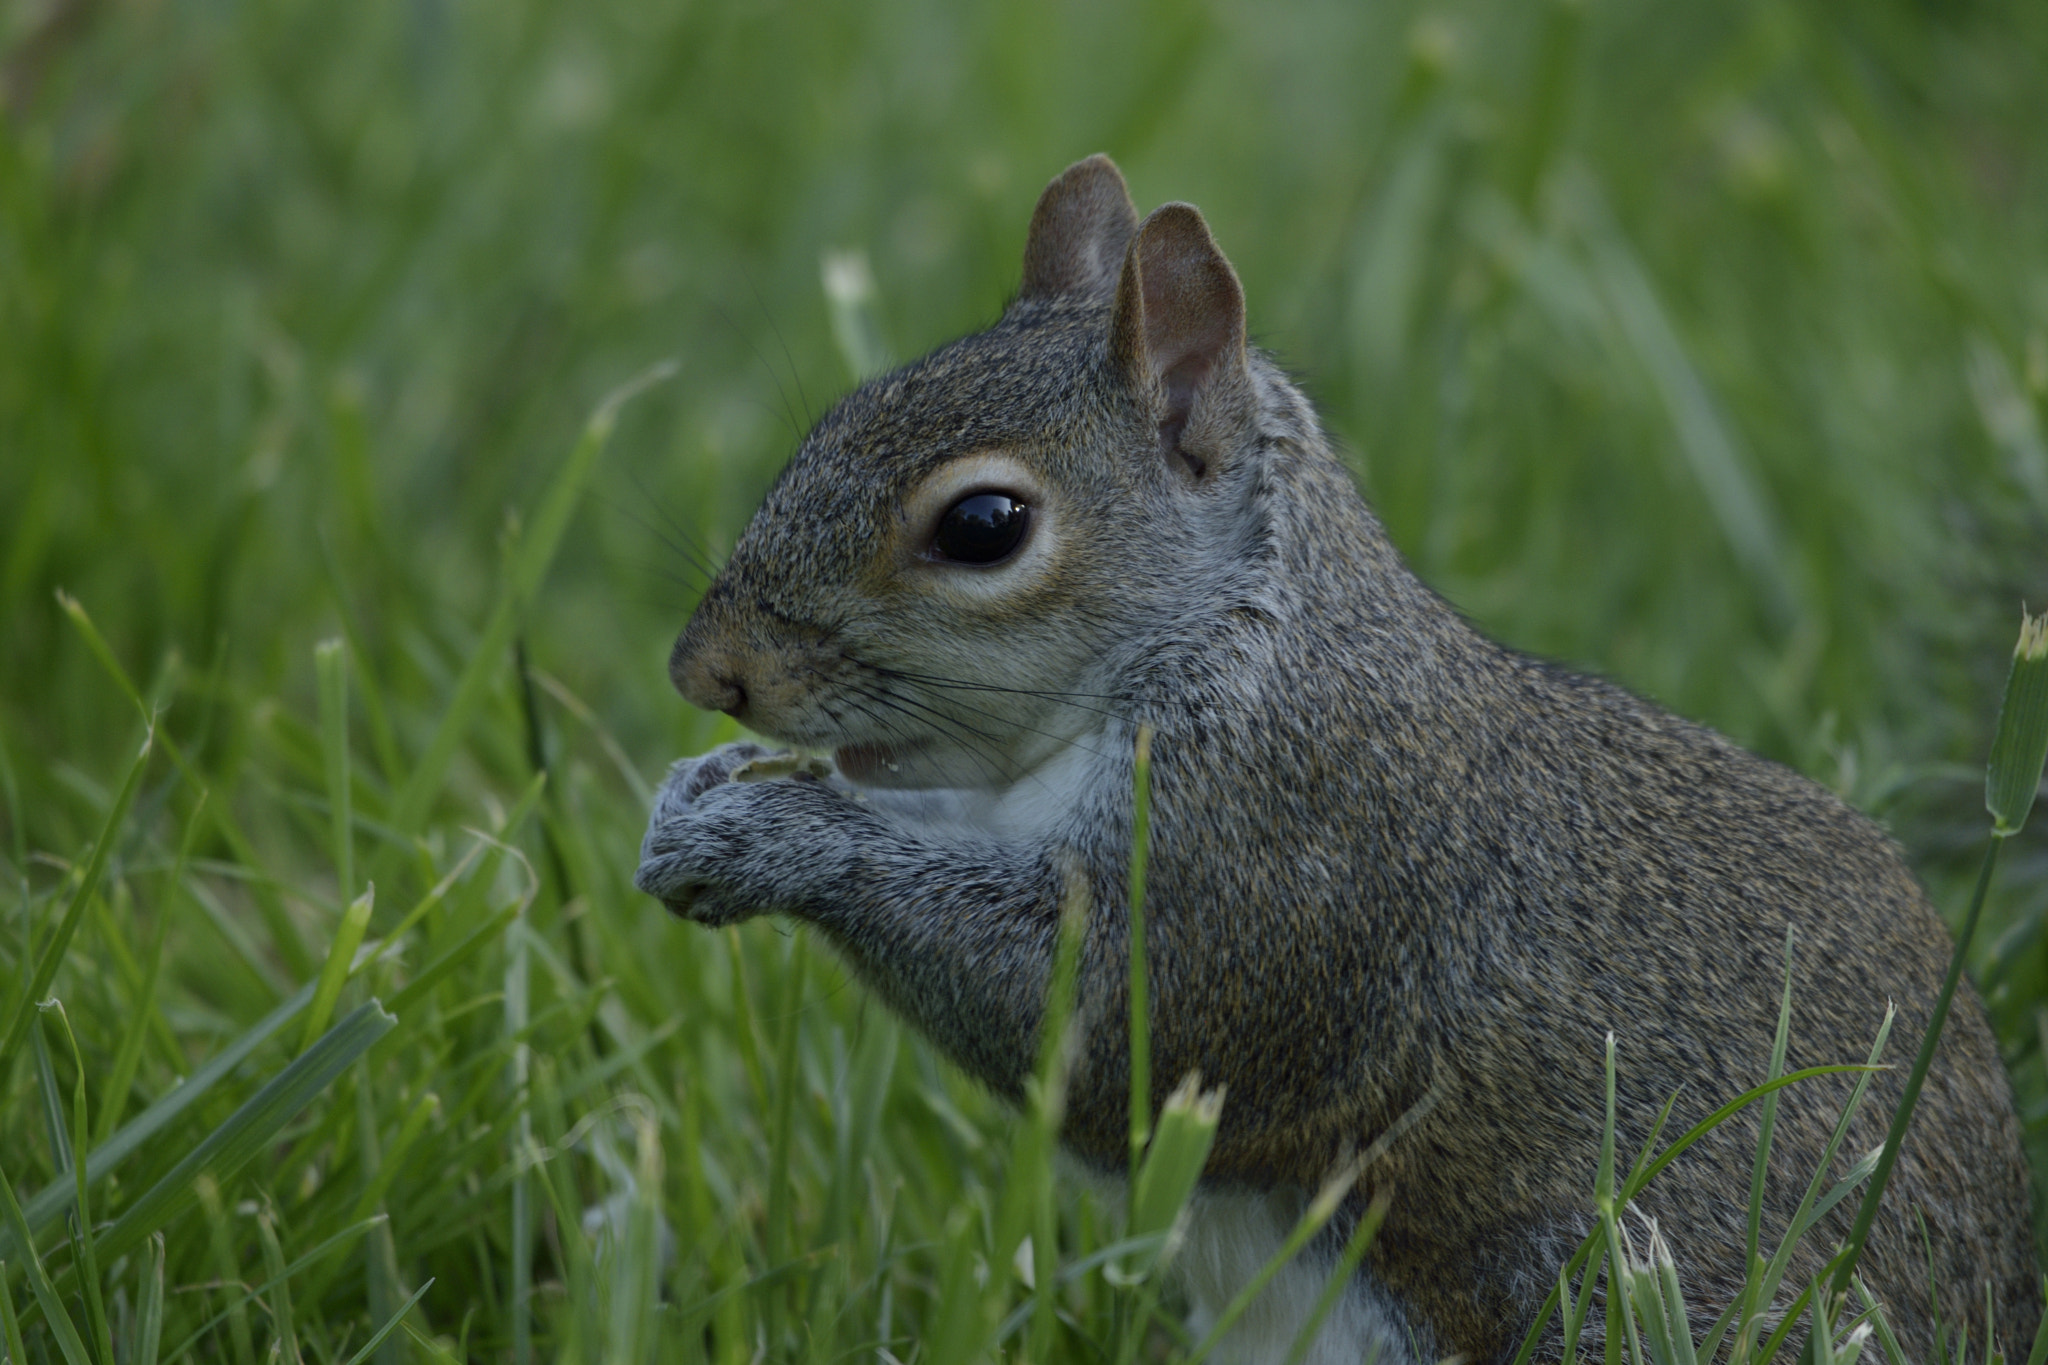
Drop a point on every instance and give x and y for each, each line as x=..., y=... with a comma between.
x=1390, y=859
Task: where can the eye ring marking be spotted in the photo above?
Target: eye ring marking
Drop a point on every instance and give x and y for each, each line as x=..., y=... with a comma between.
x=982, y=529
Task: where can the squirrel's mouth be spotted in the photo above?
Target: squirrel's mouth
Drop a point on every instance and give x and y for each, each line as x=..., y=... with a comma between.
x=874, y=764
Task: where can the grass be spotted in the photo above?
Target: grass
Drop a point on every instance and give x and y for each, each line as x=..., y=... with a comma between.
x=1705, y=346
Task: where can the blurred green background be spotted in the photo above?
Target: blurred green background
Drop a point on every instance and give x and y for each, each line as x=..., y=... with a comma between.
x=1705, y=346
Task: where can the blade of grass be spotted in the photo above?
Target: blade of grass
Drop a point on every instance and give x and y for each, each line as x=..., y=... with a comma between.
x=60, y=942
x=441, y=967
x=1656, y=1131
x=1575, y=1320
x=286, y=1341
x=1057, y=1040
x=48, y=1205
x=97, y=644
x=441, y=888
x=528, y=566
x=1677, y=1323
x=334, y=973
x=250, y=1295
x=392, y=1163
x=1902, y=1116
x=149, y=1321
x=1028, y=1192
x=1651, y=1171
x=427, y=1346
x=55, y=1130
x=969, y=1268
x=781, y=1213
x=1339, y=1282
x=1320, y=1210
x=254, y=1124
x=330, y=665
x=850, y=299
x=82, y=1230
x=2037, y=1356
x=1767, y=1119
x=516, y=1020
x=10, y=792
x=2019, y=744
x=1173, y=1162
x=1564, y=1299
x=2011, y=778
x=380, y=1254
x=1141, y=1033
x=1738, y=1312
x=1620, y=1322
x=1769, y=1350
x=370, y=1346
x=284, y=934
x=1641, y=1314
x=1773, y=1273
x=747, y=1019
x=61, y=1326
x=1894, y=1353
x=10, y=1326
x=1135, y=1313
x=226, y=1270
x=383, y=743
x=635, y=1276
x=1712, y=451
x=128, y=1056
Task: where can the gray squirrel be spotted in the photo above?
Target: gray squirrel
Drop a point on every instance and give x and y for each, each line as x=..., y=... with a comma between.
x=1389, y=857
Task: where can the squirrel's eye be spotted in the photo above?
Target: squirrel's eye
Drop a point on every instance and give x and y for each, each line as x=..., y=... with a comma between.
x=981, y=528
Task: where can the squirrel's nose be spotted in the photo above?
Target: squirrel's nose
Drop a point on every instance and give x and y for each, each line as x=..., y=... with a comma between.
x=709, y=679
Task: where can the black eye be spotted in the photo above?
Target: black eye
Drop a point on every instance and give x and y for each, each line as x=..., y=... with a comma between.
x=981, y=528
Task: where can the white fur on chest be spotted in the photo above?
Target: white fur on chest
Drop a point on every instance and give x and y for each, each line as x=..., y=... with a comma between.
x=1059, y=790
x=1228, y=1238
x=1032, y=809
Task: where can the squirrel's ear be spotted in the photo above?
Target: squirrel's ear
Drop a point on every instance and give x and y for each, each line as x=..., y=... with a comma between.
x=1178, y=332
x=1079, y=232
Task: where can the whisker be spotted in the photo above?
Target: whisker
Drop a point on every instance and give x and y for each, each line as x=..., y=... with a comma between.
x=795, y=375
x=694, y=558
x=961, y=684
x=940, y=722
x=658, y=602
x=788, y=413
x=1032, y=729
x=975, y=745
x=1219, y=704
x=943, y=721
x=937, y=713
x=690, y=580
x=995, y=716
x=679, y=538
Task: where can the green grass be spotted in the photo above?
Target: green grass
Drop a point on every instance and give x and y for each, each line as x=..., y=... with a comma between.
x=1706, y=346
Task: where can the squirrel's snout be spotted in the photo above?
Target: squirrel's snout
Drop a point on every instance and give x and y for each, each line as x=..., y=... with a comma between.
x=709, y=679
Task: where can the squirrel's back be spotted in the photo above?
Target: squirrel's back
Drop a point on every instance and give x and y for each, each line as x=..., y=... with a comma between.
x=1472, y=866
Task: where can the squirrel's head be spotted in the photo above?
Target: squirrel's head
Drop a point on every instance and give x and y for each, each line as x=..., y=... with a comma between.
x=936, y=586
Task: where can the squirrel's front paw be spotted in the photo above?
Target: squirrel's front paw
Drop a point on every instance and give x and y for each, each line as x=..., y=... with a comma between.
x=719, y=851
x=690, y=778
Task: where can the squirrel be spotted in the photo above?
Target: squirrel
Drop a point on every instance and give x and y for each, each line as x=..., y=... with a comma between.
x=1389, y=857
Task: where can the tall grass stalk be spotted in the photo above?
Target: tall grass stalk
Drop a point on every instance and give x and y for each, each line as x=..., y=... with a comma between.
x=2019, y=748
x=1141, y=1031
